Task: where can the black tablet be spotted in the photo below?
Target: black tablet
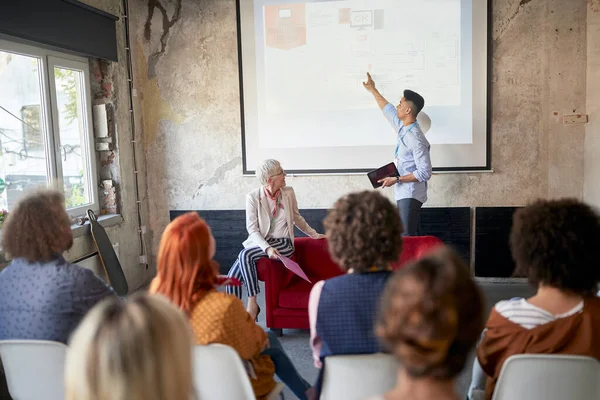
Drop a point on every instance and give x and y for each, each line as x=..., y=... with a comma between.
x=383, y=172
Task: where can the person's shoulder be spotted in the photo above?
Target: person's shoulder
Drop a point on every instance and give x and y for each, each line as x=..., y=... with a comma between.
x=75, y=269
x=515, y=303
x=61, y=267
x=221, y=300
x=416, y=134
x=254, y=193
x=593, y=302
x=288, y=192
x=317, y=288
x=388, y=107
x=15, y=266
x=337, y=279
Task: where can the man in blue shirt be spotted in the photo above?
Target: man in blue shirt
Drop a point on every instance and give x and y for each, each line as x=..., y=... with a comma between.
x=411, y=156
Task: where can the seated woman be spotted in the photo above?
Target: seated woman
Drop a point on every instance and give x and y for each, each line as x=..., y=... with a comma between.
x=271, y=213
x=42, y=296
x=430, y=318
x=555, y=243
x=187, y=275
x=364, y=237
x=138, y=349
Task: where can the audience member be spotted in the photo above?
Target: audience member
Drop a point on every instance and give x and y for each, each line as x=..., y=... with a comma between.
x=364, y=236
x=271, y=214
x=42, y=296
x=140, y=349
x=430, y=317
x=187, y=275
x=556, y=245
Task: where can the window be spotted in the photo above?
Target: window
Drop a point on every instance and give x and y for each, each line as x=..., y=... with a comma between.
x=45, y=126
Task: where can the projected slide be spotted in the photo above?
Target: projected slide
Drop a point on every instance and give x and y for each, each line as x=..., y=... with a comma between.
x=304, y=63
x=346, y=41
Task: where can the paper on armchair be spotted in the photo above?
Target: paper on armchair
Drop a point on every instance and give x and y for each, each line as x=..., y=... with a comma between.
x=294, y=267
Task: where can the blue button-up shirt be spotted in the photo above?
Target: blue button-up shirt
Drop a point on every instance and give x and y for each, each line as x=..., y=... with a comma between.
x=412, y=155
x=46, y=301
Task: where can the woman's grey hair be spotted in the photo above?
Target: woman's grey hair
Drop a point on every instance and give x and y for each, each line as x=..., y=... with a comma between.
x=266, y=169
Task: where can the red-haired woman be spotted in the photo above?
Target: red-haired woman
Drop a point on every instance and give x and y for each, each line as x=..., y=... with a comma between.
x=187, y=275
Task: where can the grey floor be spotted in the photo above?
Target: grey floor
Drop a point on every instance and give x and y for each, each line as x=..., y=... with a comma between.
x=296, y=342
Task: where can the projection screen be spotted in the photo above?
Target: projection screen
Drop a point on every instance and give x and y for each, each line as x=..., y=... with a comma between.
x=302, y=64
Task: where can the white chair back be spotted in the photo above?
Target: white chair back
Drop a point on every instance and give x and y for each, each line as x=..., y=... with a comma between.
x=358, y=376
x=220, y=374
x=548, y=377
x=34, y=369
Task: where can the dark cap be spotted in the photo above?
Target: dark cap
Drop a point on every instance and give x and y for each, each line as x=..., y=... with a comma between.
x=416, y=99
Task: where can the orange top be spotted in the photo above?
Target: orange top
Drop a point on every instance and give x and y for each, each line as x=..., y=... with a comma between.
x=572, y=335
x=222, y=318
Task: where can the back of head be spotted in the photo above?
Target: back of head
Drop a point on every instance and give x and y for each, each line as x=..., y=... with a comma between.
x=185, y=270
x=38, y=228
x=557, y=243
x=363, y=230
x=416, y=99
x=135, y=350
x=431, y=315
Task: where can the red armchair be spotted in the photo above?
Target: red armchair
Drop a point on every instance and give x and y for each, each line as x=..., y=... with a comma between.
x=286, y=295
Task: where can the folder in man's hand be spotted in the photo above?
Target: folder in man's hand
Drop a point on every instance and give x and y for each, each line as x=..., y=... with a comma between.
x=294, y=267
x=386, y=171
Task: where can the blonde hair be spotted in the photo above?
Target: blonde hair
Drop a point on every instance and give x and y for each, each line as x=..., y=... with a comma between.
x=140, y=349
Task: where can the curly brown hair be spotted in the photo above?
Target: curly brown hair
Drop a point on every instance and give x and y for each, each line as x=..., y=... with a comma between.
x=557, y=243
x=431, y=315
x=363, y=230
x=38, y=228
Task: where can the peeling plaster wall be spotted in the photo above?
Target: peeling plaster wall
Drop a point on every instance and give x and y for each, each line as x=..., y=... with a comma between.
x=109, y=85
x=187, y=76
x=591, y=189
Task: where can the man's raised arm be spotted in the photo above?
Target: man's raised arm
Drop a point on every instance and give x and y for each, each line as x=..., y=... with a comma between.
x=370, y=86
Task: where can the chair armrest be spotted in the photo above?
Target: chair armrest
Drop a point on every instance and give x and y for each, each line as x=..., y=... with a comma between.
x=276, y=277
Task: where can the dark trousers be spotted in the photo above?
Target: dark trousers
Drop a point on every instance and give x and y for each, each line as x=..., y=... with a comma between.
x=410, y=212
x=284, y=368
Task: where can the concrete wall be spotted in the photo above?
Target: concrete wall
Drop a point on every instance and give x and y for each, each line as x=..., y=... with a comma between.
x=591, y=190
x=109, y=85
x=187, y=77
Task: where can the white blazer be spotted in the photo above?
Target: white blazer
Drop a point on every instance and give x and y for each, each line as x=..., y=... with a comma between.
x=258, y=217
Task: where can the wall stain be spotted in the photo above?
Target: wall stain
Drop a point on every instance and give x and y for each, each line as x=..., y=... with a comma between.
x=508, y=22
x=154, y=106
x=219, y=174
x=167, y=24
x=594, y=5
x=110, y=159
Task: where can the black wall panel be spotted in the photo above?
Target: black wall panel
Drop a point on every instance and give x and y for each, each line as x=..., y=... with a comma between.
x=451, y=225
x=492, y=230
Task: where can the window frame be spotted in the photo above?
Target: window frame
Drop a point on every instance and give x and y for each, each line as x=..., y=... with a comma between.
x=49, y=117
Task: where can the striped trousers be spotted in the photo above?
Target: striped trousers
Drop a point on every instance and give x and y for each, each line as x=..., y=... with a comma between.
x=244, y=267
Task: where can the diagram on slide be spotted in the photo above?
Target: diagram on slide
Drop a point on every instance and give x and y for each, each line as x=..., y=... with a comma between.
x=311, y=60
x=330, y=46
